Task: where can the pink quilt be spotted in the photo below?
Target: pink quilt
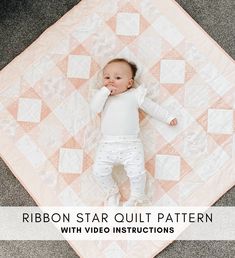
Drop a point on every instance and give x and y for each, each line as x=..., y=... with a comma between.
x=48, y=139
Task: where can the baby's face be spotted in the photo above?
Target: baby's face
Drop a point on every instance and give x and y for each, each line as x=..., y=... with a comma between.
x=118, y=75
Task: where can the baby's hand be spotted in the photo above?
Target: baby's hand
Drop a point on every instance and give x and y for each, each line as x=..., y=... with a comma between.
x=112, y=89
x=173, y=122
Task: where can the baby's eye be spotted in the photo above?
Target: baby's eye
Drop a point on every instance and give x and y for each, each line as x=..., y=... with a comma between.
x=106, y=77
x=118, y=77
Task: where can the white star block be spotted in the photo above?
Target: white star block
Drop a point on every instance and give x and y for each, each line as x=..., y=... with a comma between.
x=212, y=76
x=69, y=198
x=212, y=164
x=70, y=160
x=73, y=113
x=220, y=121
x=172, y=71
x=79, y=66
x=29, y=110
x=166, y=200
x=31, y=151
x=128, y=24
x=114, y=251
x=196, y=94
x=168, y=31
x=35, y=71
x=167, y=167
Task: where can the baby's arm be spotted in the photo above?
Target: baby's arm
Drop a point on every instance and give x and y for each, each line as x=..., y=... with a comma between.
x=156, y=111
x=99, y=99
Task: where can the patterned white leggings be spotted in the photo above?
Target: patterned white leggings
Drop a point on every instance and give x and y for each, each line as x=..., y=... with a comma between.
x=131, y=155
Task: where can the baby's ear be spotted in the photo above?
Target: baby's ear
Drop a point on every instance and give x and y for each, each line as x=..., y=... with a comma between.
x=130, y=83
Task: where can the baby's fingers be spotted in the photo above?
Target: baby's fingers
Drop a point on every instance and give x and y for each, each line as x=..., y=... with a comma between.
x=113, y=90
x=173, y=122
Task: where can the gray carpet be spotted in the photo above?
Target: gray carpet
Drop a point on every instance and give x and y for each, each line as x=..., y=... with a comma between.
x=21, y=22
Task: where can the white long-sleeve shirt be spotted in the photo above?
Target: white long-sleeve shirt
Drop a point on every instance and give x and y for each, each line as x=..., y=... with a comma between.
x=120, y=113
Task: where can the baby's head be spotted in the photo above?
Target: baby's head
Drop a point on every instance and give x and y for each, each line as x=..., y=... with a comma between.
x=119, y=73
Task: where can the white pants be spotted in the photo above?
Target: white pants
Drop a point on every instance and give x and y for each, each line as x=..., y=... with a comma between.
x=128, y=153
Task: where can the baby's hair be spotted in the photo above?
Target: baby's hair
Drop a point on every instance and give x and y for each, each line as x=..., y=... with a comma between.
x=132, y=65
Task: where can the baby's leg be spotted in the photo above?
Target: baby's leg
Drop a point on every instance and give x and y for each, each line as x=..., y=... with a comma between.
x=134, y=166
x=137, y=185
x=102, y=172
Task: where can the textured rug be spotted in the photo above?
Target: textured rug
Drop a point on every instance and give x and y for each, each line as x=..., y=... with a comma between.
x=49, y=141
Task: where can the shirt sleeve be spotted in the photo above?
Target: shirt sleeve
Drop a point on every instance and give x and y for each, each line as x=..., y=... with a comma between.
x=98, y=101
x=156, y=111
x=141, y=92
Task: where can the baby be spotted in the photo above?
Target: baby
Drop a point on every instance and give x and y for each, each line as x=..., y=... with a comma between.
x=118, y=102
